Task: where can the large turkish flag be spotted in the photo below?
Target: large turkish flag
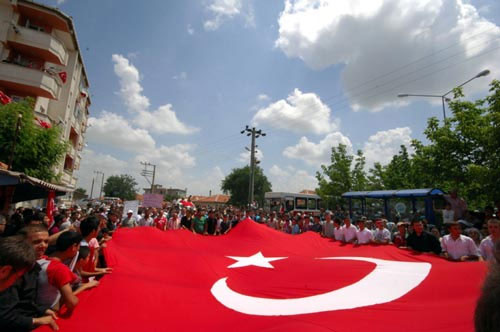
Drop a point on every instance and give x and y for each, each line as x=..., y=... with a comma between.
x=258, y=279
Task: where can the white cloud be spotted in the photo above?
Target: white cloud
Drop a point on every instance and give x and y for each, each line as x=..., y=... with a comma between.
x=113, y=130
x=244, y=157
x=172, y=163
x=300, y=113
x=376, y=40
x=190, y=29
x=181, y=76
x=291, y=179
x=60, y=2
x=157, y=119
x=130, y=87
x=317, y=153
x=224, y=10
x=383, y=145
x=105, y=163
x=161, y=120
x=262, y=97
x=209, y=181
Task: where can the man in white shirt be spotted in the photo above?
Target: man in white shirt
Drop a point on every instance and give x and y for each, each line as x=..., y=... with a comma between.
x=363, y=235
x=458, y=247
x=487, y=246
x=349, y=231
x=338, y=232
x=328, y=226
x=381, y=234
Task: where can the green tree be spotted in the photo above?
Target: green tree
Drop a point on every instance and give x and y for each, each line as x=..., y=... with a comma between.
x=79, y=193
x=236, y=185
x=341, y=176
x=462, y=153
x=37, y=150
x=122, y=186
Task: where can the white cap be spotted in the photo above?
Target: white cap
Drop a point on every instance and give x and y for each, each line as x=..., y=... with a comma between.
x=130, y=211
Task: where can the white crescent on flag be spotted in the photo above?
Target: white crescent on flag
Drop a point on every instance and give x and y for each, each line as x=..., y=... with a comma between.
x=389, y=281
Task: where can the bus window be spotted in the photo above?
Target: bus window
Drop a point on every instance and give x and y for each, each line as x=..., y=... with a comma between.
x=301, y=203
x=289, y=204
x=319, y=204
x=311, y=203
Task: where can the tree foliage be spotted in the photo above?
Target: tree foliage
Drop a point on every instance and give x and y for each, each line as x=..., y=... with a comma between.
x=122, y=186
x=236, y=184
x=462, y=153
x=341, y=175
x=38, y=150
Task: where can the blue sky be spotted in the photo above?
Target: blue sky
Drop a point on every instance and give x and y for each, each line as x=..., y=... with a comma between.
x=174, y=82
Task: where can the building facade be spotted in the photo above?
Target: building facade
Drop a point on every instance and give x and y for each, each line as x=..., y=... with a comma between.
x=40, y=58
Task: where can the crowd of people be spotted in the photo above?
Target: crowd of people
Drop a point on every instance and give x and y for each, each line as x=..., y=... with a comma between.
x=45, y=264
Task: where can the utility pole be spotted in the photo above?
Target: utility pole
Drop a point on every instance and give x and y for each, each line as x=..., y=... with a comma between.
x=147, y=173
x=254, y=133
x=102, y=182
x=92, y=190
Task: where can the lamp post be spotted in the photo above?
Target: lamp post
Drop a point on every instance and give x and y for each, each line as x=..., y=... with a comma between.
x=443, y=96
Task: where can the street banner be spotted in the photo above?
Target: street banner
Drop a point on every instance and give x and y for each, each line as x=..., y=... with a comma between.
x=152, y=200
x=258, y=279
x=130, y=205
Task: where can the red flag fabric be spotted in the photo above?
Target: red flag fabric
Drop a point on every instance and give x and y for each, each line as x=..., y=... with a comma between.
x=258, y=279
x=63, y=76
x=4, y=99
x=51, y=206
x=44, y=124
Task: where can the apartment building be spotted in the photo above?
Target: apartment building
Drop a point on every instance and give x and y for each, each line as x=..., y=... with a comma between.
x=40, y=58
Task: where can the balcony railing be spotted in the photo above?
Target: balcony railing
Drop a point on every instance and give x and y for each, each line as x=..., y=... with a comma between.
x=31, y=80
x=38, y=43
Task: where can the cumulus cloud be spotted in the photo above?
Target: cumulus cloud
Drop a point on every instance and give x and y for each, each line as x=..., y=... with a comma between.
x=291, y=179
x=161, y=120
x=262, y=97
x=244, y=157
x=190, y=29
x=317, y=153
x=114, y=131
x=156, y=121
x=208, y=181
x=105, y=163
x=224, y=10
x=381, y=146
x=384, y=45
x=299, y=112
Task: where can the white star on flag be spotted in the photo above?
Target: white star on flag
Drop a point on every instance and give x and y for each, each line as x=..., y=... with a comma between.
x=256, y=260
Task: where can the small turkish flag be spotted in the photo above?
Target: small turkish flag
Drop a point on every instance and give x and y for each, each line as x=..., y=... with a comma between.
x=63, y=76
x=51, y=207
x=4, y=99
x=258, y=279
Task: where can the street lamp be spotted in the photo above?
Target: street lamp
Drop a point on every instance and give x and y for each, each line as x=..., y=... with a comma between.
x=443, y=97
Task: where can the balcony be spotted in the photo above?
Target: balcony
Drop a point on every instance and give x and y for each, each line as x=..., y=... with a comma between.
x=32, y=81
x=36, y=43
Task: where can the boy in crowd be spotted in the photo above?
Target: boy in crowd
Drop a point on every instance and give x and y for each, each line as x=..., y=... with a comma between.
x=55, y=279
x=18, y=308
x=363, y=235
x=488, y=244
x=381, y=234
x=349, y=231
x=328, y=226
x=16, y=257
x=399, y=237
x=422, y=241
x=338, y=233
x=458, y=247
x=316, y=226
